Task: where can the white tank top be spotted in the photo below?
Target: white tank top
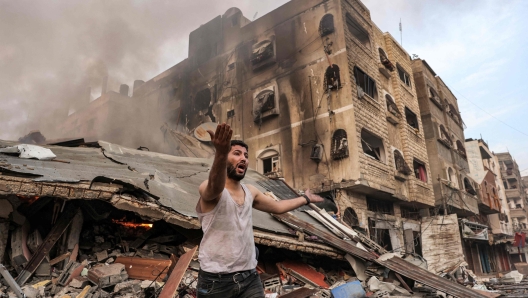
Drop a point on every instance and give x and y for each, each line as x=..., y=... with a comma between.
x=227, y=245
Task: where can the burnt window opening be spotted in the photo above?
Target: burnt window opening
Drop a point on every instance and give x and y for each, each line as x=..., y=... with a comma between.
x=264, y=102
x=460, y=148
x=411, y=118
x=435, y=97
x=234, y=21
x=202, y=100
x=326, y=26
x=365, y=83
x=410, y=213
x=317, y=153
x=231, y=66
x=339, y=145
x=230, y=114
x=444, y=135
x=357, y=30
x=380, y=206
x=332, y=77
x=372, y=145
x=385, y=60
x=262, y=51
x=401, y=164
x=350, y=218
x=391, y=106
x=469, y=187
x=419, y=170
x=404, y=76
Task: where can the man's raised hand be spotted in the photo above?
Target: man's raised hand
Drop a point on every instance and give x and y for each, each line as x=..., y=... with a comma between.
x=221, y=139
x=313, y=197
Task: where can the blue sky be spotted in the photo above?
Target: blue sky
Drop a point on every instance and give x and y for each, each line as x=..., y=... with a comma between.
x=51, y=50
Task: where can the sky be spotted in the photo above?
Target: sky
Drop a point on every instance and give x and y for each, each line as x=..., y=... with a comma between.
x=51, y=51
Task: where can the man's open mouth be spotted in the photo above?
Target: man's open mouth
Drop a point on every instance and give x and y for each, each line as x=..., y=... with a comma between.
x=241, y=168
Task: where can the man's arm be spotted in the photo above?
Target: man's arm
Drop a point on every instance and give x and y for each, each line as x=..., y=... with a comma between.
x=211, y=189
x=264, y=203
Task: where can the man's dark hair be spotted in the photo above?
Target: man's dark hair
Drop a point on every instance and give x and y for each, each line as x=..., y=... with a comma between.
x=239, y=143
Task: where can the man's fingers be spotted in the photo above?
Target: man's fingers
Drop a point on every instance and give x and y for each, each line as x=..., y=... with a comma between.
x=230, y=134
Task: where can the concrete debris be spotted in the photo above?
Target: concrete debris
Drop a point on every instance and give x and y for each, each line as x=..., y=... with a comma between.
x=30, y=151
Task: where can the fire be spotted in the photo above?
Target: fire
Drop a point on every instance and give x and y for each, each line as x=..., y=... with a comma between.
x=28, y=200
x=132, y=224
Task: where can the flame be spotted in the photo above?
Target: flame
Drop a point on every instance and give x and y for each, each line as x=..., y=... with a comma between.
x=28, y=200
x=132, y=224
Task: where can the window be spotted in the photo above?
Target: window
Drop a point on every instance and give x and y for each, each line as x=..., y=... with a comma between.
x=400, y=163
x=365, y=82
x=410, y=213
x=451, y=175
x=269, y=162
x=372, y=145
x=357, y=30
x=419, y=170
x=332, y=78
x=435, y=98
x=326, y=26
x=262, y=54
x=202, y=100
x=350, y=217
x=380, y=206
x=452, y=111
x=404, y=76
x=411, y=118
x=264, y=105
x=385, y=60
x=461, y=149
x=339, y=144
x=391, y=106
x=468, y=187
x=444, y=135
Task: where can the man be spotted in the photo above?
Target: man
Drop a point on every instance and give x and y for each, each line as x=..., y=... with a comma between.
x=227, y=251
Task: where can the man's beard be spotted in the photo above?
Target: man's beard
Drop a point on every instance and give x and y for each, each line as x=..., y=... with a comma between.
x=232, y=173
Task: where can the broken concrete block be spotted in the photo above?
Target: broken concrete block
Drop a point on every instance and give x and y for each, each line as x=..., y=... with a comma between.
x=108, y=275
x=79, y=282
x=30, y=292
x=102, y=255
x=5, y=208
x=131, y=286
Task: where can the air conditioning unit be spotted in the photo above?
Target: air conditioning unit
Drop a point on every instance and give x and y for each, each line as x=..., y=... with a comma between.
x=317, y=153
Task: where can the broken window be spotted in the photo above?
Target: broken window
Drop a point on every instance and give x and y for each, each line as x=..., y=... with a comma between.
x=372, y=145
x=385, y=60
x=444, y=136
x=202, y=100
x=404, y=76
x=339, y=144
x=264, y=105
x=380, y=236
x=365, y=83
x=332, y=78
x=350, y=218
x=391, y=106
x=400, y=163
x=434, y=97
x=419, y=170
x=411, y=118
x=262, y=51
x=317, y=152
x=230, y=114
x=379, y=206
x=357, y=30
x=461, y=149
x=469, y=187
x=326, y=26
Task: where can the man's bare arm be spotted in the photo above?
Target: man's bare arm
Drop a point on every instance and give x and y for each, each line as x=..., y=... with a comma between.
x=264, y=203
x=212, y=188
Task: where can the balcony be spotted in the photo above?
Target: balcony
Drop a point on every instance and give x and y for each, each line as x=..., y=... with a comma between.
x=518, y=212
x=463, y=203
x=489, y=205
x=513, y=193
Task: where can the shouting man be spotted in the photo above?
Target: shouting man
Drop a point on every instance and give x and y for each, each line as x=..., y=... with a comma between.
x=227, y=251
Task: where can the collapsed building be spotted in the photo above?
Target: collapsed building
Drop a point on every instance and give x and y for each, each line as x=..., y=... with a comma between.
x=325, y=101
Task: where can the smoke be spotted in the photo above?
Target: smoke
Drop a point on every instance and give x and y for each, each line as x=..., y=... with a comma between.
x=52, y=51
